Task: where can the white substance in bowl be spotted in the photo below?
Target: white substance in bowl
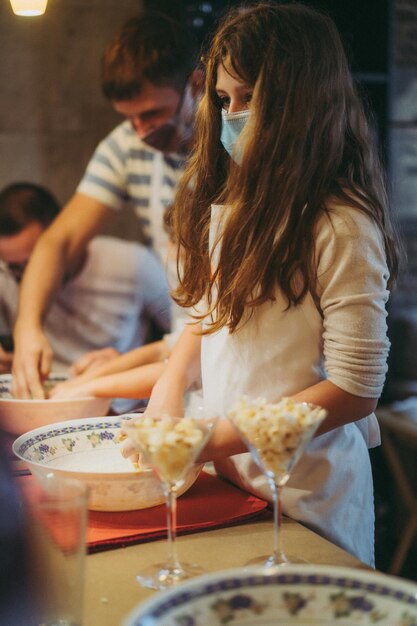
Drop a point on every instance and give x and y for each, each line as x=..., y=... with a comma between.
x=89, y=449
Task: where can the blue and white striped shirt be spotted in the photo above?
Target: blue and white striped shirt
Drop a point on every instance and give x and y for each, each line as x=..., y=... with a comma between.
x=124, y=170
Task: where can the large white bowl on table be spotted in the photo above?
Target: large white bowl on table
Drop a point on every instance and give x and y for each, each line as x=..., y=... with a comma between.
x=90, y=450
x=294, y=595
x=19, y=416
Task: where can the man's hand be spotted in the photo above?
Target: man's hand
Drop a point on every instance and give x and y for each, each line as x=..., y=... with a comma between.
x=6, y=359
x=32, y=363
x=93, y=359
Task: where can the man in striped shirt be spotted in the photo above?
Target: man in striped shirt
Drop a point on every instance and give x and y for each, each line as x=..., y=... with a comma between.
x=149, y=77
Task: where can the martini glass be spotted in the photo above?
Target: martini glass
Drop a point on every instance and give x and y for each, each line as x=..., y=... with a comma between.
x=170, y=445
x=276, y=435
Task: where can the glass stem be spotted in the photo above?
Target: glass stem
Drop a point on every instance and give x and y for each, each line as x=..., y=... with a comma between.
x=171, y=504
x=278, y=554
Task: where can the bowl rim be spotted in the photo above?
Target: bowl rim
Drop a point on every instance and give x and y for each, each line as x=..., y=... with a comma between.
x=41, y=401
x=75, y=425
x=210, y=584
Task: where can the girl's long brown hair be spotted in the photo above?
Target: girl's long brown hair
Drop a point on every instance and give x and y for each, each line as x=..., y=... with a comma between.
x=307, y=140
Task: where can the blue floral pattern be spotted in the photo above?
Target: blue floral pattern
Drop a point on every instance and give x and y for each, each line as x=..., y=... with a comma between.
x=6, y=384
x=240, y=596
x=65, y=440
x=229, y=609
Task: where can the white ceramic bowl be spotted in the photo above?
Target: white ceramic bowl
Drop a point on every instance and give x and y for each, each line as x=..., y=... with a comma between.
x=88, y=449
x=19, y=416
x=293, y=595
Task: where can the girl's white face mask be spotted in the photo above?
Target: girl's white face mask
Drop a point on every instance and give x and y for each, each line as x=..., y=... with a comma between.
x=232, y=126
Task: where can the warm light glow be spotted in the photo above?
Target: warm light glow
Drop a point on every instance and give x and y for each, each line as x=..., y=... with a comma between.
x=28, y=8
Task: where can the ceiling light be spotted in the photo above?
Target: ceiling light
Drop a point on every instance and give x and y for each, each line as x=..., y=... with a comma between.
x=28, y=7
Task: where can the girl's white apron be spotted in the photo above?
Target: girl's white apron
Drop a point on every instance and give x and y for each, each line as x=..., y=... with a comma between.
x=278, y=353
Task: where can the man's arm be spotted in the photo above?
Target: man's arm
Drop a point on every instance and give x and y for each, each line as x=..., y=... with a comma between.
x=58, y=254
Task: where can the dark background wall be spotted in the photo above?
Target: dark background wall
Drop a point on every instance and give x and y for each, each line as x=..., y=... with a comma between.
x=380, y=38
x=52, y=113
x=365, y=27
x=403, y=112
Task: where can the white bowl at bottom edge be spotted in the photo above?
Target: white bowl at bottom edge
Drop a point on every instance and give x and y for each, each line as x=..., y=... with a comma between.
x=291, y=595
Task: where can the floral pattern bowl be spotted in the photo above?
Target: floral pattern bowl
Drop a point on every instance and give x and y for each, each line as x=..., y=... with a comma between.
x=19, y=416
x=292, y=595
x=89, y=449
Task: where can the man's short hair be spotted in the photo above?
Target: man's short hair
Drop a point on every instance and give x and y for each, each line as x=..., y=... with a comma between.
x=150, y=47
x=24, y=203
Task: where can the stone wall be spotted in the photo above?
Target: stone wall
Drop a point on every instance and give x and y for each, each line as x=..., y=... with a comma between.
x=52, y=113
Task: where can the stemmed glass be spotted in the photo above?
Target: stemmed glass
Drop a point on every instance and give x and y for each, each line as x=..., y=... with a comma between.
x=276, y=435
x=170, y=445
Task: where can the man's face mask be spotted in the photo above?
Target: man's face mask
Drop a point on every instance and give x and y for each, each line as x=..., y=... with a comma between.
x=232, y=126
x=164, y=137
x=175, y=132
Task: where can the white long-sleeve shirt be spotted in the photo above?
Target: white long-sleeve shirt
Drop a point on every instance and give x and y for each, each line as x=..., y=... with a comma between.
x=120, y=289
x=281, y=351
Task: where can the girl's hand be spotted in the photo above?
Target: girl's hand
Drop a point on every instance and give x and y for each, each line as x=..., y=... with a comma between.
x=166, y=399
x=128, y=449
x=70, y=389
x=182, y=369
x=92, y=360
x=160, y=403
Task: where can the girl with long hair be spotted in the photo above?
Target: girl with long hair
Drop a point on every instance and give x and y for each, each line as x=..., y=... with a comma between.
x=287, y=255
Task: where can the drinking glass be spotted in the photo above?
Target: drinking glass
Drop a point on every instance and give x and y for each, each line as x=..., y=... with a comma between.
x=57, y=512
x=170, y=445
x=276, y=435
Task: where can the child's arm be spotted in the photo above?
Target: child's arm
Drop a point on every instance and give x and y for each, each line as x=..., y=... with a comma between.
x=342, y=407
x=182, y=369
x=352, y=279
x=152, y=353
x=134, y=383
x=149, y=353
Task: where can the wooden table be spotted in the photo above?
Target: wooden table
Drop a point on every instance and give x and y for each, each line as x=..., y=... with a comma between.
x=111, y=590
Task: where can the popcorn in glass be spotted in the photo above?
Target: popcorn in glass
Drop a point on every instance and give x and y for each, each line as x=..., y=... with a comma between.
x=277, y=435
x=170, y=445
